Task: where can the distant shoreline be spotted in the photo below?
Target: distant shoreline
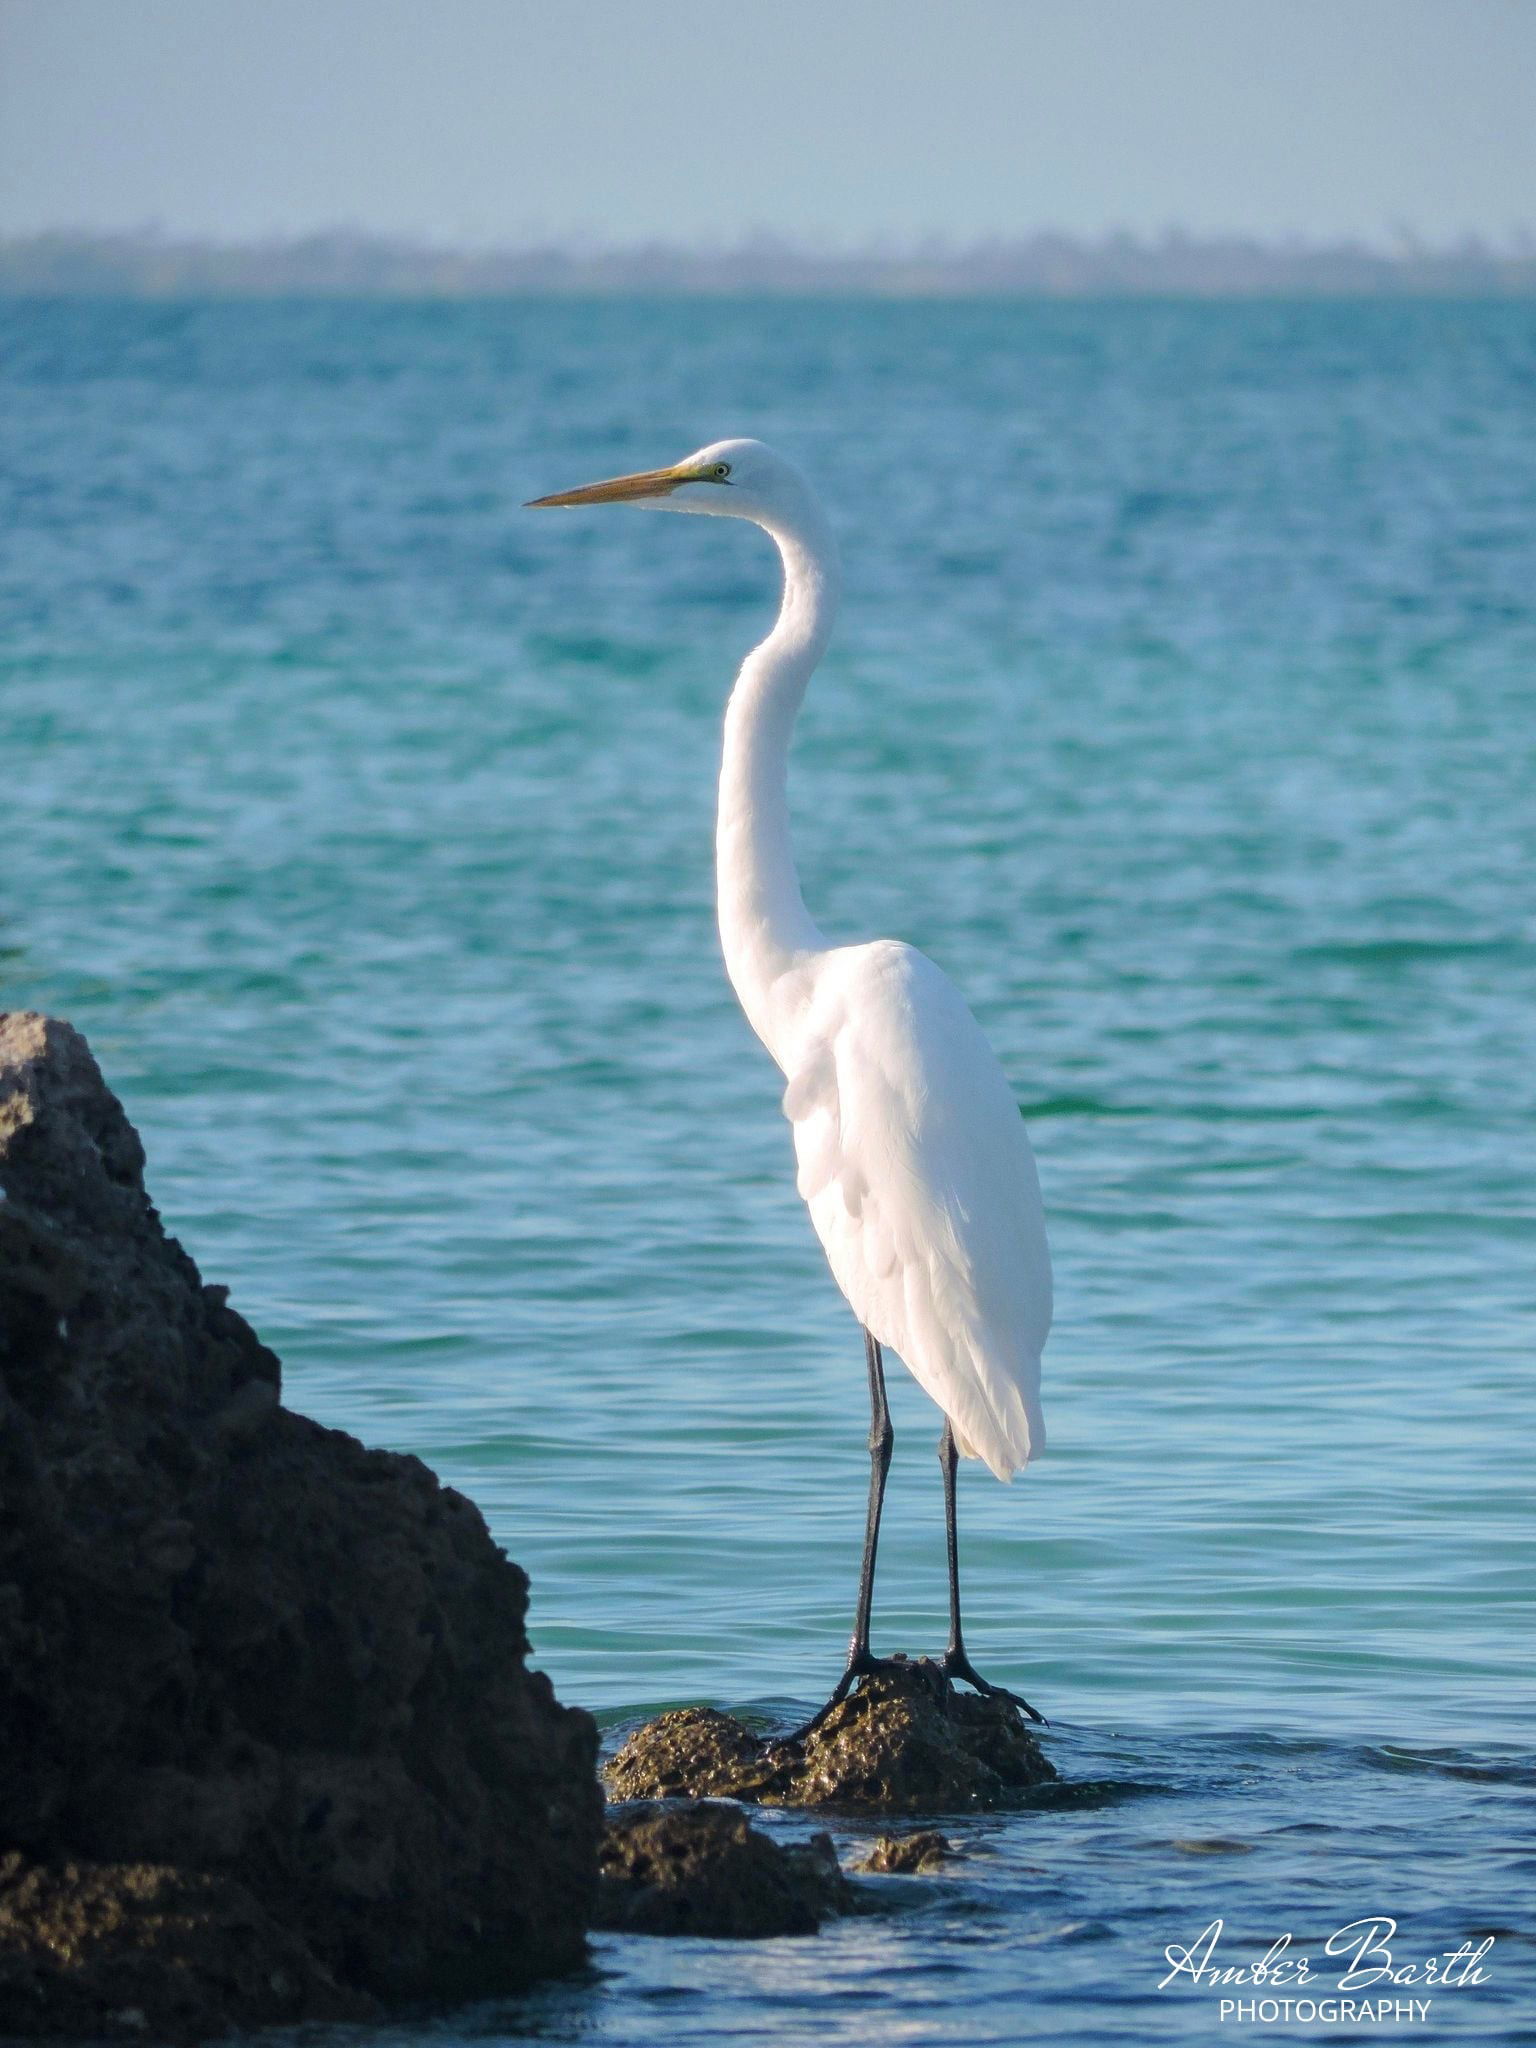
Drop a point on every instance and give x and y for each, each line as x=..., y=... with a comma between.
x=348, y=265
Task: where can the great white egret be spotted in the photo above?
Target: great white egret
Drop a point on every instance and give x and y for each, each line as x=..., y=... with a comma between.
x=912, y=1155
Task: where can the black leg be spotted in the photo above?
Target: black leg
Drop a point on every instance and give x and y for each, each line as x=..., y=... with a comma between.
x=955, y=1663
x=949, y=1459
x=881, y=1438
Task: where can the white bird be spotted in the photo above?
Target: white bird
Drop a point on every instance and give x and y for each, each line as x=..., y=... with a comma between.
x=912, y=1154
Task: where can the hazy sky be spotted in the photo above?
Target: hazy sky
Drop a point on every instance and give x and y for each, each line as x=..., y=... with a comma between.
x=497, y=120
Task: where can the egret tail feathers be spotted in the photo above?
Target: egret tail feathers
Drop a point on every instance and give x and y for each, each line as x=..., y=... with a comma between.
x=994, y=1417
x=1006, y=1433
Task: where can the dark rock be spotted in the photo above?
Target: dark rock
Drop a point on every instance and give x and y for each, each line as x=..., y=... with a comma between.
x=696, y=1753
x=670, y=1868
x=234, y=1643
x=900, y=1855
x=905, y=1741
x=143, y=1952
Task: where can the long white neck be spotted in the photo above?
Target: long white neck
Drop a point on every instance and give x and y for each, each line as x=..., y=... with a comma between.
x=765, y=929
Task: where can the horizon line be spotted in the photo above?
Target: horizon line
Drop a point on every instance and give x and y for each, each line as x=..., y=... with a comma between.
x=1399, y=242
x=1043, y=263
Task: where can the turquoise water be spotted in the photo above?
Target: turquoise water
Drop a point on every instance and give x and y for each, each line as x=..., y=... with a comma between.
x=1182, y=710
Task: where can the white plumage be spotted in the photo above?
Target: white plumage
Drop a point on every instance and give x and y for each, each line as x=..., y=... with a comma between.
x=919, y=1178
x=911, y=1152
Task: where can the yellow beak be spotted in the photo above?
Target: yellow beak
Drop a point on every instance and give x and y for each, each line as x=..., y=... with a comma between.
x=617, y=490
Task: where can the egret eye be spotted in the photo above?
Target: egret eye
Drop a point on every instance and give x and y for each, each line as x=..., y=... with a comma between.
x=722, y=470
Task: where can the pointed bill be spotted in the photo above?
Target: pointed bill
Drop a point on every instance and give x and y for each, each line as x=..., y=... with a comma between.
x=617, y=490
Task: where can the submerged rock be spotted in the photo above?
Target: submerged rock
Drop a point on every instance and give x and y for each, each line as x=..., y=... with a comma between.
x=901, y=1855
x=671, y=1868
x=904, y=1741
x=235, y=1645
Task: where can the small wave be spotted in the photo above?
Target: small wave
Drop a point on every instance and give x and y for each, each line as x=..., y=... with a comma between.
x=597, y=650
x=1451, y=1763
x=1404, y=952
x=1079, y=1105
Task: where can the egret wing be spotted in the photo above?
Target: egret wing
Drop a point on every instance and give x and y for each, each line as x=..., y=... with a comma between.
x=920, y=1181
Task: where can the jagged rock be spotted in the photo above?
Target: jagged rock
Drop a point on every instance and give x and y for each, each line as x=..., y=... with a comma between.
x=234, y=1643
x=900, y=1855
x=670, y=1868
x=904, y=1741
x=142, y=1952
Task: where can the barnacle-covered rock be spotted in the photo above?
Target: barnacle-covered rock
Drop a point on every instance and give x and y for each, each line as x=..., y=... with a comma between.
x=904, y=1741
x=901, y=1855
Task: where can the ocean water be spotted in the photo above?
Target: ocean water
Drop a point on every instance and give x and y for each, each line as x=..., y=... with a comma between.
x=1184, y=709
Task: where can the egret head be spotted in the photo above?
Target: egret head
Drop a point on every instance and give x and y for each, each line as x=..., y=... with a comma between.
x=736, y=479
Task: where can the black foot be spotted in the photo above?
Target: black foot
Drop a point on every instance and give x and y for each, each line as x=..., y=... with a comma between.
x=860, y=1665
x=955, y=1664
